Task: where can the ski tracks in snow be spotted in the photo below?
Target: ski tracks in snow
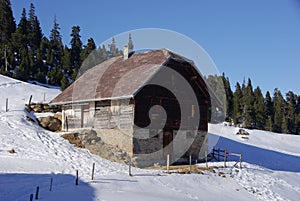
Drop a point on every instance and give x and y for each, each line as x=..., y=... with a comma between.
x=9, y=84
x=262, y=182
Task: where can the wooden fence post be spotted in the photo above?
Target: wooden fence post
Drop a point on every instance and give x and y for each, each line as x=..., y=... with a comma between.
x=44, y=96
x=29, y=103
x=241, y=161
x=6, y=107
x=31, y=197
x=76, y=181
x=93, y=170
x=190, y=163
x=67, y=124
x=206, y=159
x=51, y=181
x=129, y=167
x=225, y=158
x=37, y=193
x=168, y=163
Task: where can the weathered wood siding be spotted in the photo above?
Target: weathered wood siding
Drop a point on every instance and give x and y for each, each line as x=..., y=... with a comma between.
x=99, y=115
x=71, y=117
x=114, y=114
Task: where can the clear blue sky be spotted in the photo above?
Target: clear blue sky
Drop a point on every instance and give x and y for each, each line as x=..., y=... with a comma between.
x=256, y=39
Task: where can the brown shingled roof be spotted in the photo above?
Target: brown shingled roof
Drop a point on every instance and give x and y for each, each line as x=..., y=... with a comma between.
x=115, y=78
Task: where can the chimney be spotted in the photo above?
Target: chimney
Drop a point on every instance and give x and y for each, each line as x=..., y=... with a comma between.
x=126, y=52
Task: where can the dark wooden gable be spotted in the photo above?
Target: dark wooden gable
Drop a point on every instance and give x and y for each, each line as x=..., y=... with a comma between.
x=152, y=94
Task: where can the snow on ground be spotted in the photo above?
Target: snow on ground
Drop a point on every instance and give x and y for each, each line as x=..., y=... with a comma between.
x=270, y=172
x=288, y=144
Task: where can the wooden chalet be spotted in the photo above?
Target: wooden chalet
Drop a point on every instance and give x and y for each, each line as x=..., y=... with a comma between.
x=122, y=100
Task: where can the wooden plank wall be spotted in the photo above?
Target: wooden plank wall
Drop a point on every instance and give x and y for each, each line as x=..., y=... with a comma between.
x=117, y=114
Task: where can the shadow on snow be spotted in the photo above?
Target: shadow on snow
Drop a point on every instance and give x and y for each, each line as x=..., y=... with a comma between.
x=263, y=157
x=20, y=186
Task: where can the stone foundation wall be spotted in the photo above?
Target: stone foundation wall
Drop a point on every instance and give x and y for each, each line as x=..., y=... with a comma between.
x=148, y=147
x=121, y=138
x=89, y=139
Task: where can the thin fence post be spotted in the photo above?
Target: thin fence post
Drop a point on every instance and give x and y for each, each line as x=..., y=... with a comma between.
x=206, y=159
x=31, y=197
x=129, y=168
x=6, y=107
x=51, y=181
x=190, y=163
x=37, y=193
x=168, y=163
x=44, y=96
x=76, y=181
x=29, y=102
x=241, y=161
x=224, y=157
x=67, y=124
x=219, y=154
x=93, y=170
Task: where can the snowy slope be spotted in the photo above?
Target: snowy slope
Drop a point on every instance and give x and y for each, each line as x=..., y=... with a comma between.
x=288, y=144
x=41, y=155
x=272, y=170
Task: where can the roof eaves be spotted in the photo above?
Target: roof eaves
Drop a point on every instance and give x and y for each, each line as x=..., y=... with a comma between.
x=91, y=100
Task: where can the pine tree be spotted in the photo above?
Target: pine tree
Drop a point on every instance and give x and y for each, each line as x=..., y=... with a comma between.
x=7, y=28
x=278, y=104
x=55, y=52
x=291, y=113
x=76, y=48
x=64, y=83
x=22, y=72
x=35, y=38
x=218, y=114
x=74, y=75
x=229, y=98
x=23, y=24
x=35, y=32
x=66, y=62
x=269, y=112
x=248, y=110
x=7, y=22
x=297, y=118
x=88, y=48
x=41, y=77
x=20, y=39
x=32, y=64
x=112, y=48
x=259, y=109
x=55, y=34
x=237, y=104
x=103, y=54
x=55, y=76
x=31, y=15
x=41, y=57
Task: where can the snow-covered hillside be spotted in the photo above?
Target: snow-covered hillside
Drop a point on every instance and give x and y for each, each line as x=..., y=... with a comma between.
x=271, y=170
